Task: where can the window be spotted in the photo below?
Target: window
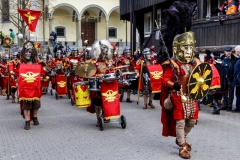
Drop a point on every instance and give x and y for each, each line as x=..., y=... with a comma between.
x=147, y=24
x=112, y=32
x=159, y=17
x=60, y=32
x=5, y=11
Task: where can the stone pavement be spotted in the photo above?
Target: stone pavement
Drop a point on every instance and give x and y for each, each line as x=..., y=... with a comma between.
x=69, y=133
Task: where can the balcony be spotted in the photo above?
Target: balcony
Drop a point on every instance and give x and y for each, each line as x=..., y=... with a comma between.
x=216, y=32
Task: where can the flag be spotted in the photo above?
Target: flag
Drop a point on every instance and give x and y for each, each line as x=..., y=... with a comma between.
x=30, y=17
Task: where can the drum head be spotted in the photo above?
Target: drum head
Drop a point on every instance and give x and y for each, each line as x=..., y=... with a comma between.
x=109, y=77
x=80, y=83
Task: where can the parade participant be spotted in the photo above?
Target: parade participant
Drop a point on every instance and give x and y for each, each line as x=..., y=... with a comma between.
x=29, y=87
x=184, y=114
x=60, y=79
x=148, y=60
x=103, y=106
x=153, y=53
x=6, y=86
x=46, y=78
x=126, y=59
x=14, y=64
x=217, y=96
x=2, y=69
x=228, y=62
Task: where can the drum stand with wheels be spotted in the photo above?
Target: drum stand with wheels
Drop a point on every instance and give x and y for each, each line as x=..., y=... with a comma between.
x=122, y=121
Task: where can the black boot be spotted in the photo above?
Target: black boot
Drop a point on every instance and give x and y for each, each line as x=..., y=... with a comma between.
x=216, y=110
x=35, y=121
x=121, y=97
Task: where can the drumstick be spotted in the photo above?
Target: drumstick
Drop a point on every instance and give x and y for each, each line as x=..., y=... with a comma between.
x=139, y=81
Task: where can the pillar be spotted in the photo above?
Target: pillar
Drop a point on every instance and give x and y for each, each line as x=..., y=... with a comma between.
x=79, y=34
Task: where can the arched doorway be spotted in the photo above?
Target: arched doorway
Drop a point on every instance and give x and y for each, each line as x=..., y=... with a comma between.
x=88, y=28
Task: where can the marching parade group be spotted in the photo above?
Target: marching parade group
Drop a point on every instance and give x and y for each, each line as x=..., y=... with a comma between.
x=97, y=78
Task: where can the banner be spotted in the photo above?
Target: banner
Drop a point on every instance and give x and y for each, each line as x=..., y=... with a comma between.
x=152, y=77
x=61, y=85
x=30, y=17
x=29, y=82
x=110, y=99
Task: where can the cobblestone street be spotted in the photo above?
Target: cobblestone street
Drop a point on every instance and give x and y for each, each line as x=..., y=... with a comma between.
x=67, y=132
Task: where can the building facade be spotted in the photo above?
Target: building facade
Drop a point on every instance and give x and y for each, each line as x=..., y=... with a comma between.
x=74, y=21
x=211, y=33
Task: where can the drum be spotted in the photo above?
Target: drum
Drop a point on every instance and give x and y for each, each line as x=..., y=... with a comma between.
x=82, y=94
x=93, y=84
x=126, y=79
x=109, y=77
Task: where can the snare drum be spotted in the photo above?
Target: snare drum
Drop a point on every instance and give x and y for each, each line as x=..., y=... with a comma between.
x=94, y=84
x=109, y=77
x=82, y=94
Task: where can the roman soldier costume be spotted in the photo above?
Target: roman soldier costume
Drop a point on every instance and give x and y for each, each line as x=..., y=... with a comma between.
x=29, y=84
x=151, y=77
x=126, y=59
x=60, y=78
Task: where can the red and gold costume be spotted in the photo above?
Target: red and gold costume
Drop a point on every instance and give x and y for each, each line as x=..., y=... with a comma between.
x=182, y=118
x=29, y=84
x=60, y=79
x=126, y=59
x=151, y=77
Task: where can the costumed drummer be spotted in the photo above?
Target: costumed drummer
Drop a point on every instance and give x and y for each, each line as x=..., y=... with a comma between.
x=126, y=59
x=184, y=114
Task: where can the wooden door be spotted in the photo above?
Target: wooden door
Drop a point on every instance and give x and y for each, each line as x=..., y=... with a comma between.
x=88, y=32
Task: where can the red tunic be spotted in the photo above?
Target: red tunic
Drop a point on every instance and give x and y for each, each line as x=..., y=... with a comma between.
x=178, y=112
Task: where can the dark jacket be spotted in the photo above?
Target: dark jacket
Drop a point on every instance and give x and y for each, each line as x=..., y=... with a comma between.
x=236, y=73
x=54, y=35
x=223, y=79
x=230, y=73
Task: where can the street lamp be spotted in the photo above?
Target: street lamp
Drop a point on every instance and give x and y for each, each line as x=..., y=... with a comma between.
x=20, y=36
x=31, y=37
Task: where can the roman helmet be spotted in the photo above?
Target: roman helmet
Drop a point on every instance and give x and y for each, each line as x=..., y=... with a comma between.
x=44, y=58
x=74, y=52
x=59, y=54
x=6, y=58
x=15, y=54
x=183, y=47
x=147, y=53
x=29, y=53
x=127, y=52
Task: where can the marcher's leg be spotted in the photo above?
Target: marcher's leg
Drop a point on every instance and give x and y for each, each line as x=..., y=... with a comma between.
x=128, y=95
x=150, y=100
x=189, y=124
x=35, y=114
x=98, y=113
x=27, y=119
x=184, y=150
x=216, y=109
x=4, y=92
x=13, y=91
x=122, y=94
x=180, y=131
x=225, y=101
x=145, y=98
x=0, y=91
x=230, y=97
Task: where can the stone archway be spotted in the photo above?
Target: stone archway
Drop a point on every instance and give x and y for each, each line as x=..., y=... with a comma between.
x=92, y=25
x=63, y=18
